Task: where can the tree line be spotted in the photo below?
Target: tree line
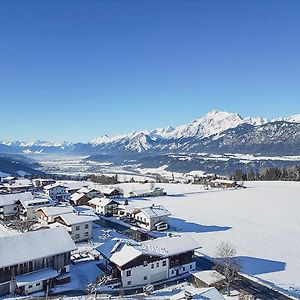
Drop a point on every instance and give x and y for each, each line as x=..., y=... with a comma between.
x=268, y=174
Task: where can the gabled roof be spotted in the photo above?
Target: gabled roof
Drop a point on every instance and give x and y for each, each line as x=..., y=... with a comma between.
x=77, y=196
x=101, y=201
x=36, y=201
x=208, y=276
x=121, y=252
x=74, y=218
x=54, y=185
x=56, y=210
x=108, y=191
x=10, y=199
x=154, y=211
x=20, y=248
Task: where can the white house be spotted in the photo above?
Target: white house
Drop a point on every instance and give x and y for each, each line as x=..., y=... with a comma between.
x=47, y=215
x=19, y=186
x=78, y=225
x=112, y=193
x=133, y=264
x=104, y=206
x=56, y=191
x=154, y=217
x=9, y=204
x=28, y=207
x=90, y=192
x=31, y=261
x=155, y=192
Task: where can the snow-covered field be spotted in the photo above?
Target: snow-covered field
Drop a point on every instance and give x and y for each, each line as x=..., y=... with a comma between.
x=262, y=222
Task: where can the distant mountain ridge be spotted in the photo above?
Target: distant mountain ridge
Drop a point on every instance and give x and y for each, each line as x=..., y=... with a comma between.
x=216, y=132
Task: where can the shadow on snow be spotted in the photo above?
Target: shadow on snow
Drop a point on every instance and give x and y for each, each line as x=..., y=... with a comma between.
x=185, y=226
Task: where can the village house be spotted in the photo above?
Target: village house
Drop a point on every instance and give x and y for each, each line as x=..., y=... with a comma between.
x=154, y=217
x=47, y=215
x=8, y=179
x=104, y=206
x=90, y=192
x=28, y=207
x=155, y=192
x=79, y=199
x=9, y=204
x=44, y=260
x=223, y=183
x=56, y=191
x=131, y=264
x=78, y=225
x=112, y=193
x=19, y=186
x=41, y=182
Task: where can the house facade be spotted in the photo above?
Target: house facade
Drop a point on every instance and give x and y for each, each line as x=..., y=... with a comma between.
x=79, y=226
x=9, y=204
x=104, y=206
x=41, y=262
x=151, y=218
x=56, y=191
x=135, y=264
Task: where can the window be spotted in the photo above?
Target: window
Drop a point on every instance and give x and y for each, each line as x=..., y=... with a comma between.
x=77, y=236
x=86, y=234
x=157, y=264
x=77, y=228
x=128, y=282
x=145, y=277
x=38, y=284
x=183, y=269
x=30, y=286
x=164, y=263
x=191, y=266
x=172, y=271
x=128, y=273
x=152, y=266
x=86, y=226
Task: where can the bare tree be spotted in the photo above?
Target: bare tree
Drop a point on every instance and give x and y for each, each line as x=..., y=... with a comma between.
x=23, y=225
x=227, y=264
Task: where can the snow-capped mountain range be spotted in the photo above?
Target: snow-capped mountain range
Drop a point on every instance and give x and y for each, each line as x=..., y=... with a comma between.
x=217, y=131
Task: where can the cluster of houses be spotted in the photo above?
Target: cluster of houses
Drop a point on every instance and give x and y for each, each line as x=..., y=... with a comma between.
x=63, y=216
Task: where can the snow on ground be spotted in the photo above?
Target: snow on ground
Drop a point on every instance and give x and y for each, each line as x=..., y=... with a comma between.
x=261, y=221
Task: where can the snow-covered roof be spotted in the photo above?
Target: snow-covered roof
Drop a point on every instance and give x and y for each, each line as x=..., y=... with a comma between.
x=34, y=245
x=74, y=218
x=77, y=196
x=108, y=191
x=36, y=201
x=208, y=276
x=53, y=185
x=225, y=181
x=86, y=190
x=210, y=293
x=120, y=252
x=10, y=199
x=21, y=183
x=56, y=210
x=155, y=211
x=101, y=201
x=37, y=276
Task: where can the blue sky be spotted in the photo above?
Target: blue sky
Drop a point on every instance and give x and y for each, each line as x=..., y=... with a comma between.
x=74, y=70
